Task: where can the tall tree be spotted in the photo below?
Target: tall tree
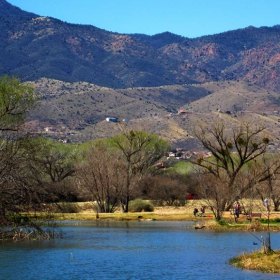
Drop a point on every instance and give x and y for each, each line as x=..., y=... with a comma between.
x=140, y=150
x=16, y=99
x=101, y=174
x=234, y=154
x=270, y=188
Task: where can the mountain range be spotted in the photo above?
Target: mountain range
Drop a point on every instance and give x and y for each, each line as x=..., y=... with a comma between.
x=84, y=74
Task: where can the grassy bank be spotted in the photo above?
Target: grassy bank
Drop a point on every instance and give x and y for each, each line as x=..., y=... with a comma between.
x=85, y=211
x=119, y=216
x=269, y=263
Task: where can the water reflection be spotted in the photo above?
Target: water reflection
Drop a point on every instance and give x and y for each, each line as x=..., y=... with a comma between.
x=131, y=250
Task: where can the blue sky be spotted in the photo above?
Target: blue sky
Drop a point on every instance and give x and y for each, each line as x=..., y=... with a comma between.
x=189, y=18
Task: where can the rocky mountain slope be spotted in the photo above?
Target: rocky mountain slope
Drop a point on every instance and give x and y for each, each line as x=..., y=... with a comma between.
x=164, y=84
x=33, y=47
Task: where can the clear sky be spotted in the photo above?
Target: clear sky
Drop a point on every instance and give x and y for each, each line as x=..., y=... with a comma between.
x=189, y=18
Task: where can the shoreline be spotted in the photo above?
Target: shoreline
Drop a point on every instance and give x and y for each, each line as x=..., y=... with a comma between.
x=183, y=213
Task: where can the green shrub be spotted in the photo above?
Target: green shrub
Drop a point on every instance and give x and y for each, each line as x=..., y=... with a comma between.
x=139, y=205
x=222, y=223
x=272, y=221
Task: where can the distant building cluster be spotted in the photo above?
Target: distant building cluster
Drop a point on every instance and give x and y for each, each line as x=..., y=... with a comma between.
x=181, y=154
x=184, y=155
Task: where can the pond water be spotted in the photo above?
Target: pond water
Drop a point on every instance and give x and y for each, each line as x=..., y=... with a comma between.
x=131, y=250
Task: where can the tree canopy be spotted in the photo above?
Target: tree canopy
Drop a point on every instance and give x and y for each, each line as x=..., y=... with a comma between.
x=16, y=99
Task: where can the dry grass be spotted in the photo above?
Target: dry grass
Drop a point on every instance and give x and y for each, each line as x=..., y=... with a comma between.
x=269, y=263
x=160, y=213
x=172, y=213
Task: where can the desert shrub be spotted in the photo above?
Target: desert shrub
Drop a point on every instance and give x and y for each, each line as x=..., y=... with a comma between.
x=254, y=225
x=158, y=203
x=84, y=206
x=139, y=205
x=67, y=207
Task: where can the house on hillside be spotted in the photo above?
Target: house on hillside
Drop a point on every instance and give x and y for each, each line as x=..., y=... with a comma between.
x=48, y=128
x=187, y=155
x=110, y=119
x=182, y=112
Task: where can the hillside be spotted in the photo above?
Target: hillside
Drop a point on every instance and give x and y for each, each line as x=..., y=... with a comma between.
x=78, y=111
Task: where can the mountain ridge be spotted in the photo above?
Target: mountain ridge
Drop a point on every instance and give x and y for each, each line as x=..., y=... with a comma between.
x=47, y=47
x=6, y=9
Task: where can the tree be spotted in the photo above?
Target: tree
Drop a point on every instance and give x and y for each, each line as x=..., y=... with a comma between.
x=102, y=175
x=166, y=189
x=140, y=151
x=270, y=188
x=50, y=166
x=225, y=175
x=16, y=99
x=13, y=193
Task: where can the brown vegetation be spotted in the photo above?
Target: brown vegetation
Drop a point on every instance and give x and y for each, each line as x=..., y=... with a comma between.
x=268, y=263
x=77, y=112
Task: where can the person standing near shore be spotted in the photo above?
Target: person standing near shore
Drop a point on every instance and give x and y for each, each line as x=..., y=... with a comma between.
x=237, y=210
x=266, y=204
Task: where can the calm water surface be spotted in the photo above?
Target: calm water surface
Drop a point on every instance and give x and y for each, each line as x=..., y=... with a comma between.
x=131, y=250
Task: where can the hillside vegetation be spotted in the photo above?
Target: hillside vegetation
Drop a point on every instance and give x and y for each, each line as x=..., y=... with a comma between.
x=78, y=111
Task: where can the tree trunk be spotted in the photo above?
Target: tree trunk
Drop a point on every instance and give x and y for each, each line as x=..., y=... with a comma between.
x=266, y=240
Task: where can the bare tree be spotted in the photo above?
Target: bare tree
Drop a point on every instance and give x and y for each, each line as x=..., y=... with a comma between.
x=270, y=188
x=141, y=151
x=12, y=189
x=165, y=189
x=102, y=175
x=234, y=155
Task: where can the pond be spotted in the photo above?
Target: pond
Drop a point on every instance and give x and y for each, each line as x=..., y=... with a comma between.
x=131, y=250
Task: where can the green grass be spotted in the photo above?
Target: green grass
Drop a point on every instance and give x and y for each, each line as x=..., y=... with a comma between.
x=271, y=222
x=183, y=167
